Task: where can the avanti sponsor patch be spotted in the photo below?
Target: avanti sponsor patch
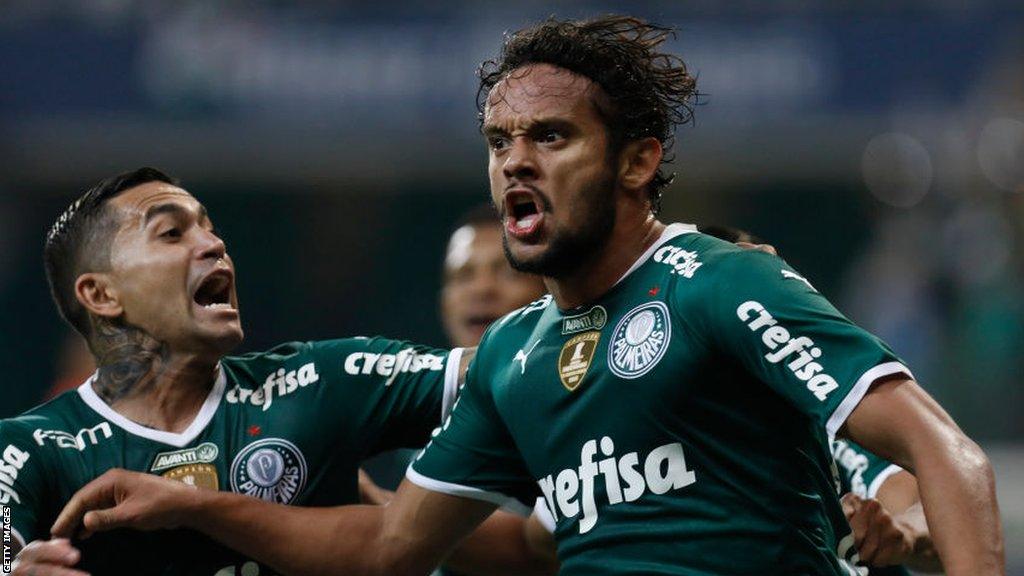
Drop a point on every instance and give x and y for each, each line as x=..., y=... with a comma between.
x=639, y=340
x=203, y=454
x=575, y=359
x=593, y=319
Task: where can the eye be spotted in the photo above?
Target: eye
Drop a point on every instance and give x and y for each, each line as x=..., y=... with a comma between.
x=497, y=142
x=549, y=136
x=173, y=233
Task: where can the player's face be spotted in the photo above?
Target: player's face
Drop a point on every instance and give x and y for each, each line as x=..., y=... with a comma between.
x=479, y=284
x=171, y=272
x=552, y=176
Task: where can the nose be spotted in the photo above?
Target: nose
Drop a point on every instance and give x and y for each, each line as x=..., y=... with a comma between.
x=520, y=162
x=211, y=245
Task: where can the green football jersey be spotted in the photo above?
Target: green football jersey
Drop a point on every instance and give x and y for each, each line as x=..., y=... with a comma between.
x=290, y=425
x=863, y=473
x=678, y=425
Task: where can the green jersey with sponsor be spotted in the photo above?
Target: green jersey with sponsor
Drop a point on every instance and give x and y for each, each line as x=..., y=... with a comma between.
x=289, y=426
x=678, y=425
x=863, y=473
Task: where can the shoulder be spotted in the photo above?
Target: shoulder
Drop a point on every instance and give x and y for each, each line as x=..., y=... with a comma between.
x=58, y=412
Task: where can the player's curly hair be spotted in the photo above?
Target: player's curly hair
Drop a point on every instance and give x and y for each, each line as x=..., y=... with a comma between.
x=649, y=92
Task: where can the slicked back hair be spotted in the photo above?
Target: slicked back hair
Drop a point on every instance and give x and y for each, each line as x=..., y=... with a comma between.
x=649, y=92
x=79, y=241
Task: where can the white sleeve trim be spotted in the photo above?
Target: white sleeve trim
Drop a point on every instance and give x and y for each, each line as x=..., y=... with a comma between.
x=451, y=382
x=543, y=514
x=881, y=478
x=466, y=491
x=845, y=408
x=18, y=536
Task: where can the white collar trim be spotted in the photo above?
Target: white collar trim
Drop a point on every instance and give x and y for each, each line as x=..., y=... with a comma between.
x=202, y=419
x=670, y=232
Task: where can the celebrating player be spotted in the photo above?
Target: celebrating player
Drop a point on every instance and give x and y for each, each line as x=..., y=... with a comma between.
x=672, y=399
x=136, y=267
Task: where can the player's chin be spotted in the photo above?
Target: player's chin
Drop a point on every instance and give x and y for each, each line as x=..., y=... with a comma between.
x=222, y=337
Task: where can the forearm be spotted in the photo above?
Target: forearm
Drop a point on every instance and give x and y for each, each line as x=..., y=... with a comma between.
x=957, y=489
x=292, y=540
x=923, y=556
x=498, y=547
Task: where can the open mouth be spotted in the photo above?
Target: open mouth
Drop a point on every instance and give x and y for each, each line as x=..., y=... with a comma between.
x=523, y=213
x=480, y=322
x=214, y=292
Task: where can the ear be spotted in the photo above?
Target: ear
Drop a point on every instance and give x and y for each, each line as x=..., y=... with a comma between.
x=638, y=163
x=95, y=292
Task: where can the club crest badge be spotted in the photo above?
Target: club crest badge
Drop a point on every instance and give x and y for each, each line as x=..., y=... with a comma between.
x=272, y=469
x=575, y=359
x=640, y=340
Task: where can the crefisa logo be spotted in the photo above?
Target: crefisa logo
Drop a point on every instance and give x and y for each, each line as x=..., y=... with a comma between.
x=639, y=340
x=272, y=469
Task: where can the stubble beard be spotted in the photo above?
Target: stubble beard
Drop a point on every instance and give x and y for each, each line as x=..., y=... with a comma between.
x=569, y=249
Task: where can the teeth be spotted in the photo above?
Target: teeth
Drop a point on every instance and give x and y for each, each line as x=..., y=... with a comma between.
x=526, y=222
x=218, y=305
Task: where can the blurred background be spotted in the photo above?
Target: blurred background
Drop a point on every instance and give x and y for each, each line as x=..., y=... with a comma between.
x=878, y=145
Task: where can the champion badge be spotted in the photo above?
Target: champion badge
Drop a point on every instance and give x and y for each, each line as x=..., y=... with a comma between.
x=272, y=469
x=639, y=340
x=574, y=361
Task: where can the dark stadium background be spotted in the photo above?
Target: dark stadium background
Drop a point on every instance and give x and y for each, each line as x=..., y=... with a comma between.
x=878, y=145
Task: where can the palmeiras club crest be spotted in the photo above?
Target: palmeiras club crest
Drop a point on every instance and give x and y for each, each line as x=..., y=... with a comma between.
x=640, y=340
x=272, y=469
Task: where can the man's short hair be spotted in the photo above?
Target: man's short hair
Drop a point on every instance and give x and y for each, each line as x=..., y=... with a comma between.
x=79, y=241
x=649, y=92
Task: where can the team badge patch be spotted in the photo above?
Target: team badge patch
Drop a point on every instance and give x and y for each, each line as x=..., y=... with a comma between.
x=639, y=340
x=593, y=319
x=199, y=475
x=574, y=361
x=272, y=469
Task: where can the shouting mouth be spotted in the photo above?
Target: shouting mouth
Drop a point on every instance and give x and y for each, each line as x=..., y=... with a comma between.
x=524, y=214
x=214, y=291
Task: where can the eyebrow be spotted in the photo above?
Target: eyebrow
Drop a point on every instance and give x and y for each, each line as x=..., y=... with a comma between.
x=534, y=126
x=171, y=208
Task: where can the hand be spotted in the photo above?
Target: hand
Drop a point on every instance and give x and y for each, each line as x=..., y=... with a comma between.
x=47, y=558
x=767, y=248
x=881, y=539
x=123, y=499
x=371, y=493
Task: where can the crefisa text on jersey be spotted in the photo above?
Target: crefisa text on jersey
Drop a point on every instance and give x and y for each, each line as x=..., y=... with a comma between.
x=782, y=346
x=279, y=383
x=664, y=469
x=13, y=460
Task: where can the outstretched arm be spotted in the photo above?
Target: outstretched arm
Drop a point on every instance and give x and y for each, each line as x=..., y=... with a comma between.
x=897, y=420
x=411, y=535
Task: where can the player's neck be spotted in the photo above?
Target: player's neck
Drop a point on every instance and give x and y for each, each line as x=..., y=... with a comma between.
x=634, y=232
x=145, y=381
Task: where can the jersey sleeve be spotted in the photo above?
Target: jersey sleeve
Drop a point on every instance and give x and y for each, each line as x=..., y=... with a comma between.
x=757, y=310
x=863, y=473
x=22, y=481
x=391, y=393
x=473, y=455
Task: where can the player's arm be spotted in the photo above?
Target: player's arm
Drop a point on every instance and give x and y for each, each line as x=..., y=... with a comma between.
x=502, y=546
x=898, y=420
x=411, y=535
x=889, y=525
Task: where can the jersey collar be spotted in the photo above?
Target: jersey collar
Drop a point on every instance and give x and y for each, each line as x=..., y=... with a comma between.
x=670, y=232
x=178, y=440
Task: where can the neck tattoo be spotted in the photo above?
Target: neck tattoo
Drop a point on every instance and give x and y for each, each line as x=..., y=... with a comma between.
x=129, y=360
